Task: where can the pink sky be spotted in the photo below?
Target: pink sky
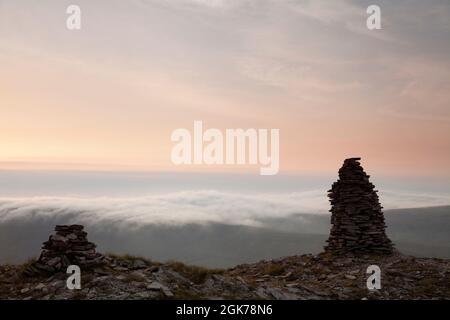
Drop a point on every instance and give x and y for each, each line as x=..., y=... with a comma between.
x=110, y=94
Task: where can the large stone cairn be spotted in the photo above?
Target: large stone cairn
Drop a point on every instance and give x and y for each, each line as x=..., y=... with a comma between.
x=357, y=218
x=68, y=246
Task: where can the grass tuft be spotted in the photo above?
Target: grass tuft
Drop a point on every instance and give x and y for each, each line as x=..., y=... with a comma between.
x=196, y=274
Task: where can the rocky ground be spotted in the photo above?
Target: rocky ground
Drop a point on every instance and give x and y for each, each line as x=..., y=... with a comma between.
x=298, y=277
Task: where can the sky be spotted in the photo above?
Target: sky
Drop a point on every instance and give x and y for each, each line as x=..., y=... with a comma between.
x=109, y=95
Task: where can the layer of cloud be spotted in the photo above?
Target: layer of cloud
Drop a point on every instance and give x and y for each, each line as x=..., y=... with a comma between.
x=188, y=207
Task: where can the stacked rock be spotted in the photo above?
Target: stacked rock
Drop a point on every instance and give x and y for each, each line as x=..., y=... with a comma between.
x=357, y=219
x=69, y=246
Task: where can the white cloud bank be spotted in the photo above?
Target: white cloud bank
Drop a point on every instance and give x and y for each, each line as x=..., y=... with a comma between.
x=189, y=207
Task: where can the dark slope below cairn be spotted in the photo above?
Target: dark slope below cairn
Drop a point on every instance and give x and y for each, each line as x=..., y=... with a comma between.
x=325, y=276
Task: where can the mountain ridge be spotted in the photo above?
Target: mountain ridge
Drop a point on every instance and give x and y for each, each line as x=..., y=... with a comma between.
x=302, y=277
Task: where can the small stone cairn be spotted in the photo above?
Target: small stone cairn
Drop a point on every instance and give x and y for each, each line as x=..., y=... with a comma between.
x=68, y=246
